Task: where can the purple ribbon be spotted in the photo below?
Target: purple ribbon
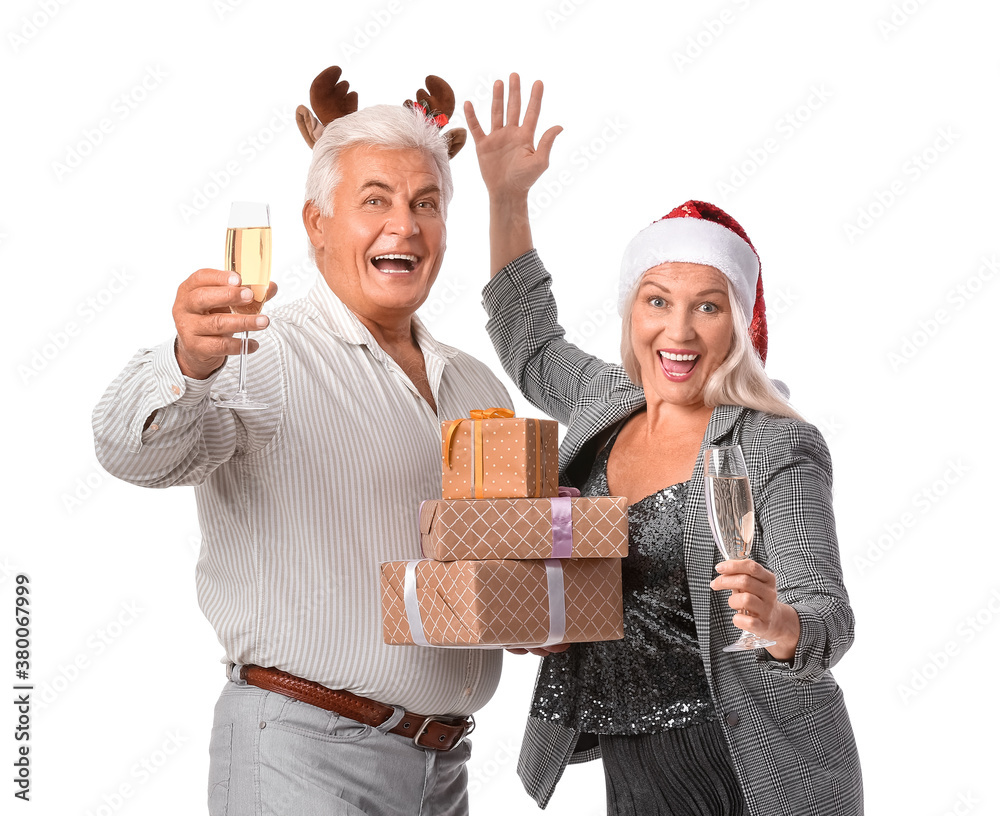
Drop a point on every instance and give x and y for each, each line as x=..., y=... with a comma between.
x=562, y=522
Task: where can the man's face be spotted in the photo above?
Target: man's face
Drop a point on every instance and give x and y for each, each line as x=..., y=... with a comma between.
x=382, y=248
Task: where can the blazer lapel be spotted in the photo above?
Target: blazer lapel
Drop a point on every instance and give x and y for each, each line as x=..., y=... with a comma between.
x=700, y=552
x=582, y=438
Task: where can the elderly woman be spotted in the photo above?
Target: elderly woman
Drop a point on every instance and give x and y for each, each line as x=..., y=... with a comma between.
x=682, y=727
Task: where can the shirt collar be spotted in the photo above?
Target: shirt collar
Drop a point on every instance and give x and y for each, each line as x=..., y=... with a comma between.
x=346, y=325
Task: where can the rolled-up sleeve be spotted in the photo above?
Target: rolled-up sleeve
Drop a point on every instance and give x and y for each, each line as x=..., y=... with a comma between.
x=187, y=436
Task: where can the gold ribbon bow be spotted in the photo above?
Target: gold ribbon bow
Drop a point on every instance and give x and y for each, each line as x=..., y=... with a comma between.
x=477, y=416
x=475, y=413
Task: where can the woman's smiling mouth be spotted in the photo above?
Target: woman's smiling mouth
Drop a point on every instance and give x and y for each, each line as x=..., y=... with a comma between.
x=678, y=364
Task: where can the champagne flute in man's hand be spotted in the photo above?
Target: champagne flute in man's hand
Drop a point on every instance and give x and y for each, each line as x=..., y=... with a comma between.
x=248, y=253
x=730, y=515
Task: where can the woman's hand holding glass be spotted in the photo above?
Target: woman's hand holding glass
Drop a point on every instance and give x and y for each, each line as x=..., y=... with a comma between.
x=755, y=598
x=754, y=593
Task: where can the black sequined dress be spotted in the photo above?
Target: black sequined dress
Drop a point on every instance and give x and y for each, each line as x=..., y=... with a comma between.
x=653, y=679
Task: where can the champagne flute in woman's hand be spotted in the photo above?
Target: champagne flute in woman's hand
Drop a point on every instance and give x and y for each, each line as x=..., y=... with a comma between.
x=730, y=515
x=248, y=253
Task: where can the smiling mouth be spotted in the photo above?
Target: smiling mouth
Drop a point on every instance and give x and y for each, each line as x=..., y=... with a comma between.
x=395, y=263
x=676, y=365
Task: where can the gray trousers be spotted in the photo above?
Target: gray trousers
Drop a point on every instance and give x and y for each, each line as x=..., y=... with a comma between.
x=271, y=755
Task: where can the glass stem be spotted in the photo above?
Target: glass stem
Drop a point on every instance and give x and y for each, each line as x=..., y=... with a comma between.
x=243, y=361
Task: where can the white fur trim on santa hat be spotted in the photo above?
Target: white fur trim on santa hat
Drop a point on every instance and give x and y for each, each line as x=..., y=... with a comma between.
x=691, y=240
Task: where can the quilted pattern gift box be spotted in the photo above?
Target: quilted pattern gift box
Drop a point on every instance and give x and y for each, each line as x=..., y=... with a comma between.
x=494, y=455
x=501, y=603
x=493, y=529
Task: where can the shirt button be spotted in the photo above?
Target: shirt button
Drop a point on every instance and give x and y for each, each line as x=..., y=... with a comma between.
x=154, y=427
x=733, y=718
x=176, y=389
x=468, y=691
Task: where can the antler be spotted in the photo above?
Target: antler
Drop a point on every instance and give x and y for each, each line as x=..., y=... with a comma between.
x=329, y=96
x=439, y=105
x=330, y=100
x=441, y=98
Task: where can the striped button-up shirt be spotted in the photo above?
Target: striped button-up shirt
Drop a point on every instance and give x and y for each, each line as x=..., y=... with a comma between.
x=301, y=502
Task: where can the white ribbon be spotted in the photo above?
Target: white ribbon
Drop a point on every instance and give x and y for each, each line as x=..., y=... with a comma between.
x=557, y=602
x=557, y=608
x=410, y=602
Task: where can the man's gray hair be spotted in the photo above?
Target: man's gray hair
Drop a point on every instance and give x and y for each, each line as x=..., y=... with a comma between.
x=391, y=127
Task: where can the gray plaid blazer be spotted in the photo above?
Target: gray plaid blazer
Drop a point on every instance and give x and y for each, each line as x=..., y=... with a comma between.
x=785, y=723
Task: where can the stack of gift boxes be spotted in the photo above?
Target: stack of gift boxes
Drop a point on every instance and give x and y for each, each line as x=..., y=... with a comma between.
x=509, y=561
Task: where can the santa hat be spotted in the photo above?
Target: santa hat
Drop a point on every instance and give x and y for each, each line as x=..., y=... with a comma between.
x=701, y=233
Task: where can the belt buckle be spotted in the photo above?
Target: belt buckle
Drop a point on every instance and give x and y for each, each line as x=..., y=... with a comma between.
x=469, y=728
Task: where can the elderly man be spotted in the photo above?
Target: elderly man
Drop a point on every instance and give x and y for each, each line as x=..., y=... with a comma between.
x=300, y=502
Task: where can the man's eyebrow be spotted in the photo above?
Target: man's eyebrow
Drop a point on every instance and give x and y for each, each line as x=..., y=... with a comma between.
x=427, y=189
x=381, y=185
x=378, y=185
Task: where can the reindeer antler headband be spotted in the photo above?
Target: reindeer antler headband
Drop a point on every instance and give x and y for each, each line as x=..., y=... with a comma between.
x=331, y=100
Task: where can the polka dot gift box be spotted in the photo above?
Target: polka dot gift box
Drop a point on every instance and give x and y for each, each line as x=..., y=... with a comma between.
x=495, y=455
x=511, y=562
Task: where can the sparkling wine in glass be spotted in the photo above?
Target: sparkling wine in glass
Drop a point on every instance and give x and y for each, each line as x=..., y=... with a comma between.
x=248, y=254
x=730, y=515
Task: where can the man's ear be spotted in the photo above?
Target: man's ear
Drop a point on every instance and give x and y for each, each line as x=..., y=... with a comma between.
x=314, y=229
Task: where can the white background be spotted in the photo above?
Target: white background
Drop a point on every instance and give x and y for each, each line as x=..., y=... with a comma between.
x=856, y=142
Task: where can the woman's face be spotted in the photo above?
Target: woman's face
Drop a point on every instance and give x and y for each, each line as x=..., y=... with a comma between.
x=682, y=330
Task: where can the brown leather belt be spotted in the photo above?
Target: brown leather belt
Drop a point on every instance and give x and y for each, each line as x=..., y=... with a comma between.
x=438, y=733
